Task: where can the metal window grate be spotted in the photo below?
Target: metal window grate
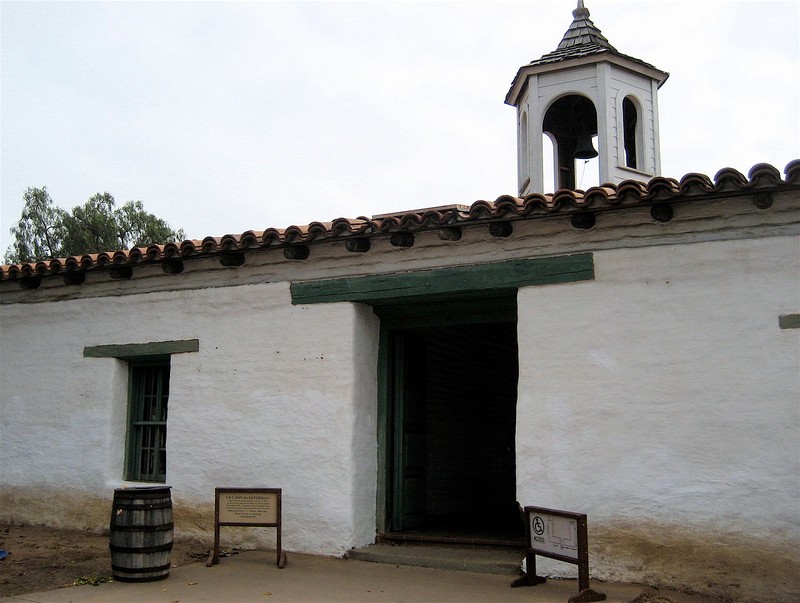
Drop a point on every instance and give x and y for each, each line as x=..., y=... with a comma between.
x=147, y=436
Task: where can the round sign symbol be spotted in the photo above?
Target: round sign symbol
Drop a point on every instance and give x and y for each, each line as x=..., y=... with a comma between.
x=538, y=525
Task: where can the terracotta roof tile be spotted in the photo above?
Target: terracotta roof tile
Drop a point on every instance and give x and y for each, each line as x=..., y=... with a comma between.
x=764, y=175
x=696, y=184
x=762, y=178
x=792, y=172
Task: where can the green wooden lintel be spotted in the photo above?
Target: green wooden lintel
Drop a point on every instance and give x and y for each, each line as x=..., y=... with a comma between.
x=447, y=281
x=789, y=321
x=135, y=350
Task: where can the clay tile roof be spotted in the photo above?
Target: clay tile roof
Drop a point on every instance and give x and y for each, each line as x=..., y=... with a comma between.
x=761, y=179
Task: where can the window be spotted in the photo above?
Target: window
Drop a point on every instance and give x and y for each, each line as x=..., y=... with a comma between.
x=148, y=392
x=147, y=421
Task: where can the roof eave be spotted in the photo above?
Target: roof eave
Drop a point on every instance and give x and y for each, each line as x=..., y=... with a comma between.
x=761, y=183
x=524, y=72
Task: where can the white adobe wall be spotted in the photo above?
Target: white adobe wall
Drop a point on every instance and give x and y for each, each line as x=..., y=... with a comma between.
x=663, y=400
x=660, y=398
x=278, y=396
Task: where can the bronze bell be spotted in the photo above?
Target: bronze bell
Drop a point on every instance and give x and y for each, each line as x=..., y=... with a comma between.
x=585, y=149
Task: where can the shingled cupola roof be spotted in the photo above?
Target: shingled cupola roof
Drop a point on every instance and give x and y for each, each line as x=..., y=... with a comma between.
x=582, y=32
x=583, y=38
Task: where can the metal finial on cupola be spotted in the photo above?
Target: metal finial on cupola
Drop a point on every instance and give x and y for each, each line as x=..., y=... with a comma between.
x=581, y=12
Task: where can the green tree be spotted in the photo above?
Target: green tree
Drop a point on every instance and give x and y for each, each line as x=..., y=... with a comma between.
x=140, y=228
x=92, y=227
x=46, y=231
x=40, y=231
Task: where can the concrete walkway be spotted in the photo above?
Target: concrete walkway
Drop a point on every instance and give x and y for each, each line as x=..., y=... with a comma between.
x=253, y=576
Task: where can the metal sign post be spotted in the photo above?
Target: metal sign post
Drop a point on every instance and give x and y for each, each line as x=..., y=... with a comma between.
x=253, y=507
x=560, y=535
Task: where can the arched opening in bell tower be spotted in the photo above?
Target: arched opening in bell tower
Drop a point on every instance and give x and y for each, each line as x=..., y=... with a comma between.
x=571, y=123
x=632, y=132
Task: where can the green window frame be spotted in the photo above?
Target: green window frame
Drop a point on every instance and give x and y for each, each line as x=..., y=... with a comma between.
x=148, y=390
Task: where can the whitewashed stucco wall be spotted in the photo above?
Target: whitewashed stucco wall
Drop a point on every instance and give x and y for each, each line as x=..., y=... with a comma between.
x=278, y=396
x=663, y=400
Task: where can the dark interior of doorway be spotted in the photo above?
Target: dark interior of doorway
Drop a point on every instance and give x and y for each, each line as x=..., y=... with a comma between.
x=457, y=401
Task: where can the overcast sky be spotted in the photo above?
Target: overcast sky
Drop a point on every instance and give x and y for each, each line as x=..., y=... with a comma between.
x=223, y=117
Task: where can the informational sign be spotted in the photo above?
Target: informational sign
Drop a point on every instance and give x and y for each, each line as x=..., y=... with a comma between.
x=554, y=535
x=248, y=507
x=560, y=535
x=254, y=507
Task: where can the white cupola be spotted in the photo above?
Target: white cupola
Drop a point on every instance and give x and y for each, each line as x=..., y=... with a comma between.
x=582, y=90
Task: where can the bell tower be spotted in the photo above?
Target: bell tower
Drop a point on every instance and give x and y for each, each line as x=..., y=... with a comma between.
x=585, y=89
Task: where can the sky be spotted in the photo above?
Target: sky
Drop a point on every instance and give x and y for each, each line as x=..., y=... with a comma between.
x=223, y=117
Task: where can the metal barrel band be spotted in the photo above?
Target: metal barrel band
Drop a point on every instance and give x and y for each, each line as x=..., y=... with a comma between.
x=157, y=568
x=141, y=528
x=159, y=548
x=142, y=506
x=160, y=492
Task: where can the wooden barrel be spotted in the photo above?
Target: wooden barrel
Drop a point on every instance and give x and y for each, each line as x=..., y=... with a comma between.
x=141, y=534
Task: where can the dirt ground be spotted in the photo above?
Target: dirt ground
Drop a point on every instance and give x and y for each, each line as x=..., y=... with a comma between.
x=41, y=558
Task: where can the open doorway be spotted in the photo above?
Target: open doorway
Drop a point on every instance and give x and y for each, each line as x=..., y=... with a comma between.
x=451, y=390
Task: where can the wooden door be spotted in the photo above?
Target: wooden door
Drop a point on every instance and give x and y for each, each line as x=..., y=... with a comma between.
x=409, y=389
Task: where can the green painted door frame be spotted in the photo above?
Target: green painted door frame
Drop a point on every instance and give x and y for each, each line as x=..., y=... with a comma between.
x=400, y=477
x=461, y=295
x=408, y=453
x=446, y=283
